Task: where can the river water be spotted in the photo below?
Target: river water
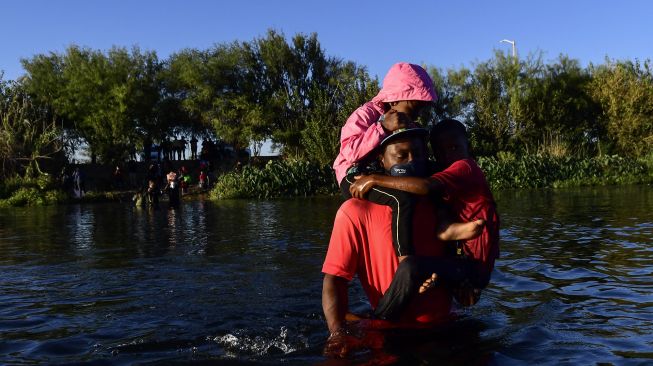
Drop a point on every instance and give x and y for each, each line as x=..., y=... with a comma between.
x=239, y=282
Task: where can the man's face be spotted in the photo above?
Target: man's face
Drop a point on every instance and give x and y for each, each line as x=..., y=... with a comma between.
x=403, y=151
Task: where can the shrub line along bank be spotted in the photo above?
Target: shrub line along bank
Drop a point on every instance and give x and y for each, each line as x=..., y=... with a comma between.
x=296, y=178
x=299, y=178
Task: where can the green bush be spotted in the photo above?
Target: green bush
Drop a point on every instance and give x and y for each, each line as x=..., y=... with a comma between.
x=290, y=178
x=42, y=190
x=532, y=171
x=30, y=196
x=287, y=178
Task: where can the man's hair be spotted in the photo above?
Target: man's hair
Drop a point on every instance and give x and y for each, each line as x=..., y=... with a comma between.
x=448, y=125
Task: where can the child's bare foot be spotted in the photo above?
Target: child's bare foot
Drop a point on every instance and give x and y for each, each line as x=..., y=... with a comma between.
x=462, y=231
x=428, y=284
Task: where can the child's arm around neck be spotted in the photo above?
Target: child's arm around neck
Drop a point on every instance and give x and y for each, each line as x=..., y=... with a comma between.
x=415, y=185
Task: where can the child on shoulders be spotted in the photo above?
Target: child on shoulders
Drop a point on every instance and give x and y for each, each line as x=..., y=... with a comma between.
x=407, y=91
x=463, y=186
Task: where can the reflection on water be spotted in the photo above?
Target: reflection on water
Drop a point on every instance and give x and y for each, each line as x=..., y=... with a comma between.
x=240, y=281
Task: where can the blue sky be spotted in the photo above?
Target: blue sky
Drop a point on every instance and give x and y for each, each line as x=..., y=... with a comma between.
x=375, y=34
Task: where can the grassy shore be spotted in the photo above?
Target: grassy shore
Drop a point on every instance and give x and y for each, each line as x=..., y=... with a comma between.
x=291, y=178
x=43, y=191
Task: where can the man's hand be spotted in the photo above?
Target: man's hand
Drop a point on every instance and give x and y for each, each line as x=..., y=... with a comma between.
x=394, y=120
x=360, y=335
x=362, y=185
x=340, y=344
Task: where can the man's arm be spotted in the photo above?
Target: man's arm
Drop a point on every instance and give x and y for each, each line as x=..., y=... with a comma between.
x=415, y=185
x=335, y=301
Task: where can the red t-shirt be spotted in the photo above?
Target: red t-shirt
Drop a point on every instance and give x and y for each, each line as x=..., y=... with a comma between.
x=466, y=190
x=361, y=244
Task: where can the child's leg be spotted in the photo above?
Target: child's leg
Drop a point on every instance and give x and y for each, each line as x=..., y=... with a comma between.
x=411, y=274
x=449, y=231
x=460, y=230
x=402, y=205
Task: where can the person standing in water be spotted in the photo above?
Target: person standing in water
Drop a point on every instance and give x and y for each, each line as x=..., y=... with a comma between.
x=407, y=91
x=172, y=190
x=361, y=246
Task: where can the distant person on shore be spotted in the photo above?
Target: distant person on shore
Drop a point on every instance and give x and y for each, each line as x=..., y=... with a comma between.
x=407, y=91
x=172, y=190
x=165, y=148
x=79, y=183
x=203, y=180
x=152, y=194
x=182, y=146
x=184, y=179
x=461, y=184
x=66, y=180
x=193, y=148
x=118, y=178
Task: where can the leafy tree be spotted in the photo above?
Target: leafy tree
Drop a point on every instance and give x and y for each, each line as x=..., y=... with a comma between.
x=624, y=91
x=110, y=100
x=27, y=134
x=288, y=75
x=265, y=89
x=349, y=89
x=450, y=88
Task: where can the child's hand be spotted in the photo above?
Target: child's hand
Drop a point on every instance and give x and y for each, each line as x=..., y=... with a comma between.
x=361, y=186
x=394, y=120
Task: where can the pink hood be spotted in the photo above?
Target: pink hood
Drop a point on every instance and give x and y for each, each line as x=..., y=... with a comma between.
x=406, y=81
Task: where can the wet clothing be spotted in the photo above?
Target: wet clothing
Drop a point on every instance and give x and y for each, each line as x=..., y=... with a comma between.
x=174, y=194
x=402, y=205
x=152, y=197
x=412, y=272
x=361, y=245
x=467, y=192
x=204, y=180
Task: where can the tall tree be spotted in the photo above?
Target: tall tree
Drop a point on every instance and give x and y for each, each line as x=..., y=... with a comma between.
x=350, y=86
x=28, y=135
x=110, y=100
x=624, y=91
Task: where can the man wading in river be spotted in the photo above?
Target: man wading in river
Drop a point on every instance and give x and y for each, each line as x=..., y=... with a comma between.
x=361, y=244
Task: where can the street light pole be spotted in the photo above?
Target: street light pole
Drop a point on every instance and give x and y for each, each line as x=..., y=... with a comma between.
x=514, y=49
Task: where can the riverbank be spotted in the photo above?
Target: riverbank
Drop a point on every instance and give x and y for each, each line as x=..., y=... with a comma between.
x=288, y=178
x=293, y=178
x=43, y=191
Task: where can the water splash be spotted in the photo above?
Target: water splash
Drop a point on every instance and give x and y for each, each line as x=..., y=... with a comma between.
x=241, y=343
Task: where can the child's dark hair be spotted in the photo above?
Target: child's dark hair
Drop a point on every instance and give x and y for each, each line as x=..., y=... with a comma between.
x=448, y=125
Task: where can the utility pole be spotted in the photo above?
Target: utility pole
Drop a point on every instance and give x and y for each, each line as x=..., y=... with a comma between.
x=514, y=48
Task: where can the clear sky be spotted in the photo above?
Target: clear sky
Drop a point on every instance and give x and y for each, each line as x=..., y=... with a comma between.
x=375, y=34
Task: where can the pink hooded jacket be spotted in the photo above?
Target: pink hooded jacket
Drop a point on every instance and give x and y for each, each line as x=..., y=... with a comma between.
x=361, y=134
